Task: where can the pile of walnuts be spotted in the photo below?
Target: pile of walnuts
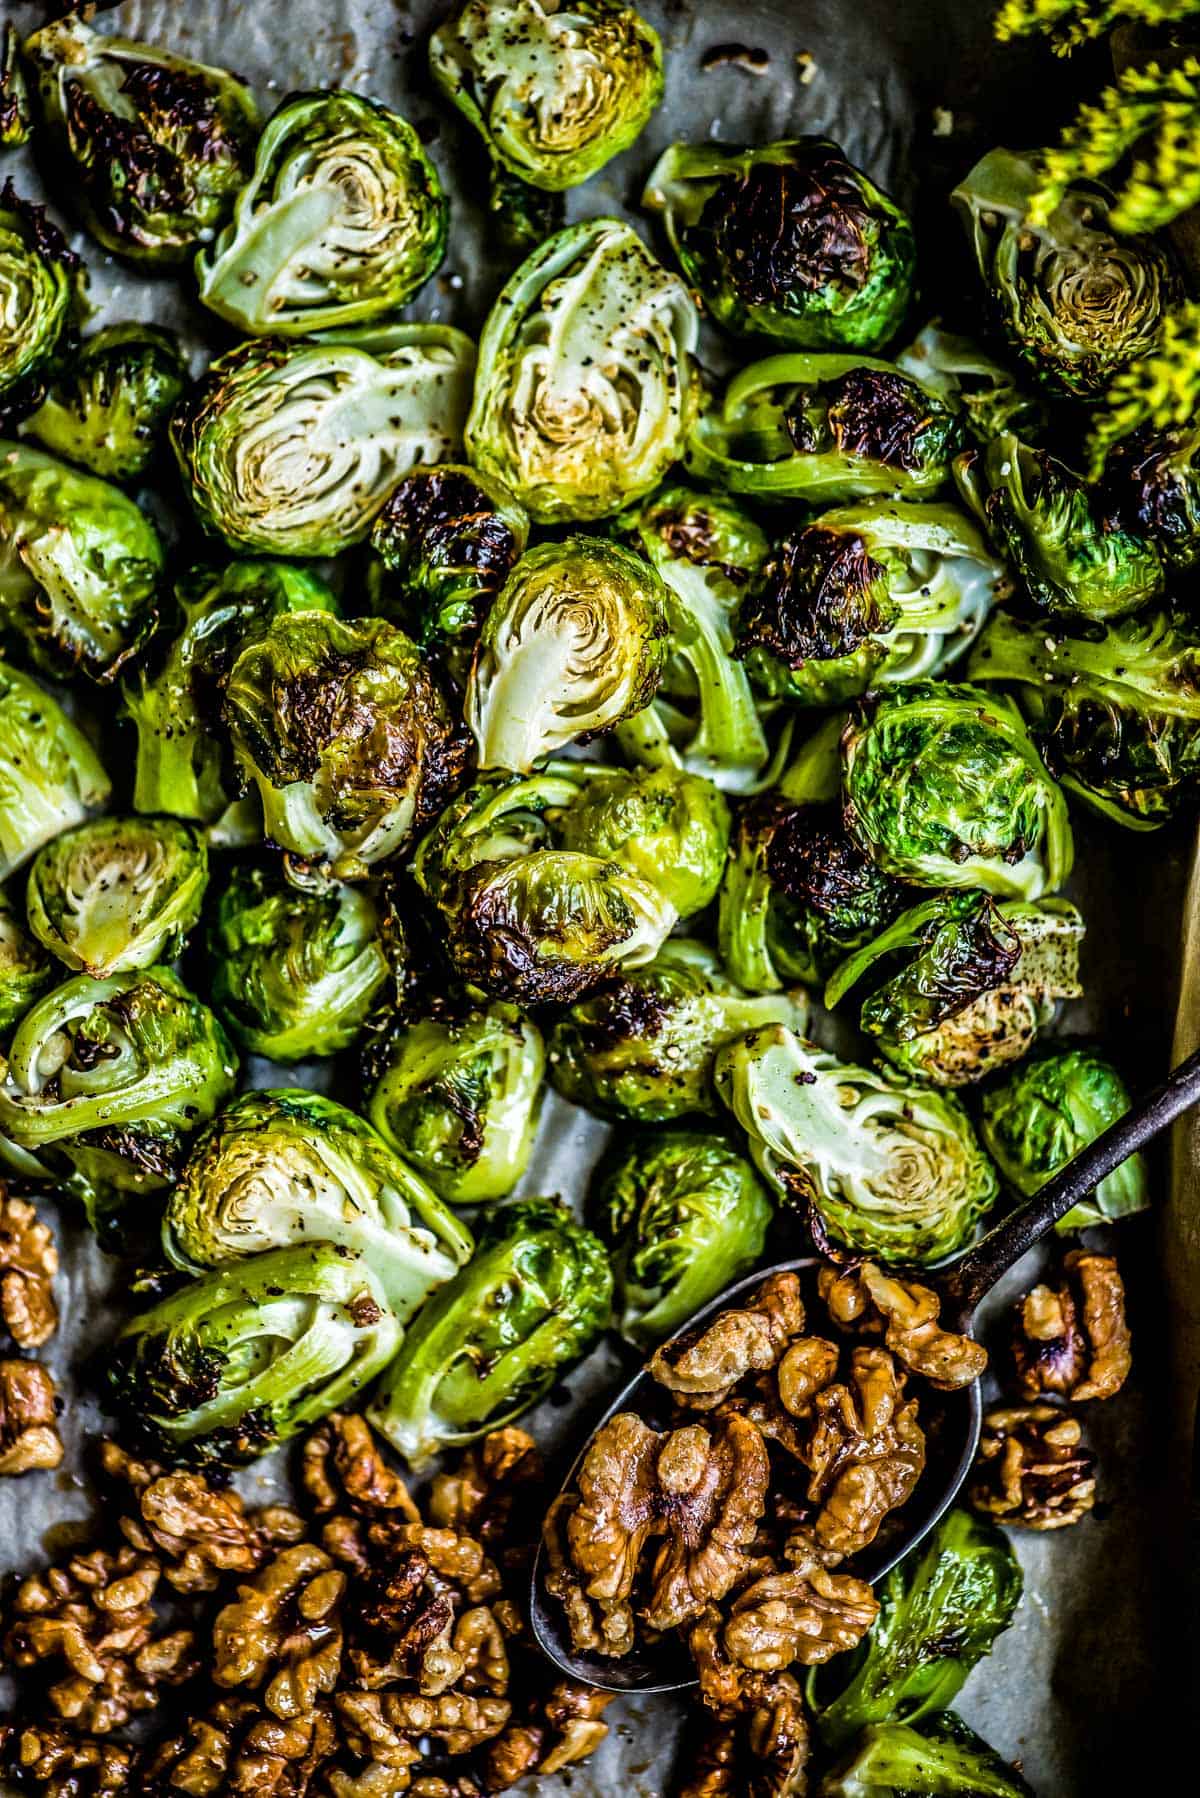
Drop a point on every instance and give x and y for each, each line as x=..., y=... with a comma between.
x=29, y=1435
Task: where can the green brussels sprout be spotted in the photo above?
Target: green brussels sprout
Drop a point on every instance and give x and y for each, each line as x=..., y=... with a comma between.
x=291, y=449
x=824, y=428
x=668, y=827
x=1151, y=490
x=867, y=596
x=888, y=1167
x=447, y=540
x=155, y=146
x=984, y=393
x=788, y=240
x=240, y=1361
x=642, y=1047
x=535, y=1296
x=285, y=1167
x=555, y=93
x=342, y=729
x=973, y=806
x=683, y=1215
x=942, y=1758
x=458, y=1094
x=522, y=216
x=343, y=219
x=1072, y=299
x=42, y=295
x=25, y=968
x=797, y=895
x=940, y=1611
x=1052, y=527
x=16, y=116
x=295, y=970
x=50, y=776
x=108, y=409
x=181, y=767
x=117, y=894
x=575, y=641
x=1045, y=1113
x=978, y=982
x=80, y=565
x=585, y=386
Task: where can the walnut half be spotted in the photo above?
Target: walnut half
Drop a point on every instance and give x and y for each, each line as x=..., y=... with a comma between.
x=28, y=1264
x=1032, y=1468
x=29, y=1435
x=1071, y=1339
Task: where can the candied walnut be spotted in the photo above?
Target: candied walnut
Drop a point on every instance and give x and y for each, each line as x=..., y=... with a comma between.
x=408, y=1624
x=807, y=1367
x=713, y=1768
x=479, y=1494
x=63, y=1764
x=807, y=1615
x=29, y=1435
x=777, y=1741
x=481, y=1653
x=28, y=1264
x=604, y=1628
x=284, y=1623
x=343, y=1463
x=1072, y=1339
x=866, y=1452
x=721, y=1679
x=375, y=1781
x=236, y=1749
x=382, y=1725
x=565, y=1728
x=617, y=1512
x=703, y=1367
x=712, y=1490
x=371, y=1734
x=450, y=1553
x=864, y=1297
x=1032, y=1468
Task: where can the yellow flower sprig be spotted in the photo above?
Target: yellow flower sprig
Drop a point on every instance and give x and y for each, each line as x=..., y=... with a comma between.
x=1069, y=23
x=1160, y=389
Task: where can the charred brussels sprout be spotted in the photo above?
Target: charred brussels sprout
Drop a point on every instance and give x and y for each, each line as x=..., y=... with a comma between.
x=556, y=92
x=117, y=893
x=1151, y=489
x=342, y=220
x=868, y=596
x=343, y=731
x=670, y=828
x=683, y=1215
x=16, y=116
x=1072, y=299
x=50, y=776
x=294, y=969
x=890, y=1168
x=291, y=449
x=108, y=410
x=973, y=806
x=787, y=239
x=42, y=288
x=575, y=641
x=585, y=386
x=535, y=1296
x=942, y=1758
x=983, y=392
x=156, y=146
x=80, y=565
x=25, y=968
x=642, y=1047
x=824, y=428
x=458, y=1095
x=247, y=1357
x=1047, y=1112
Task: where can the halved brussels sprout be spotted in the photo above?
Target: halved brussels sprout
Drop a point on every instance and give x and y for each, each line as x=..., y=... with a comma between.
x=668, y=827
x=342, y=220
x=788, y=239
x=585, y=386
x=42, y=295
x=118, y=893
x=156, y=145
x=824, y=428
x=108, y=409
x=867, y=596
x=50, y=776
x=575, y=641
x=80, y=565
x=25, y=968
x=292, y=448
x=940, y=1755
x=944, y=787
x=1075, y=301
x=16, y=116
x=981, y=390
x=642, y=1046
x=890, y=1167
x=555, y=92
x=1151, y=489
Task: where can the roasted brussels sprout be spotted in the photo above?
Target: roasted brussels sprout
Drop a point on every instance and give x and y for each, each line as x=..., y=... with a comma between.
x=535, y=1296
x=1151, y=490
x=181, y=758
x=50, y=776
x=25, y=968
x=940, y=1759
x=291, y=449
x=585, y=386
x=642, y=1047
x=522, y=217
x=977, y=983
x=1052, y=527
x=683, y=1215
x=458, y=1094
x=888, y=1167
x=868, y=596
x=42, y=296
x=286, y=1167
x=294, y=969
x=156, y=146
x=247, y=1357
x=575, y=641
x=80, y=565
x=981, y=390
x=1045, y=1113
x=117, y=894
x=670, y=828
x=342, y=729
x=1072, y=299
x=108, y=409
x=16, y=116
x=342, y=220
x=555, y=92
x=975, y=806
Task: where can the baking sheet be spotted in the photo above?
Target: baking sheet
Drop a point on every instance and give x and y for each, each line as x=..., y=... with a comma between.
x=914, y=90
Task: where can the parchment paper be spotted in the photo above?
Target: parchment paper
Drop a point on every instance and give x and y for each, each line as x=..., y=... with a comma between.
x=915, y=90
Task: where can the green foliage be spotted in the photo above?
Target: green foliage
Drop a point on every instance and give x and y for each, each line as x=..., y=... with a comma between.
x=940, y=1759
x=108, y=409
x=1160, y=388
x=117, y=894
x=42, y=296
x=50, y=775
x=1069, y=23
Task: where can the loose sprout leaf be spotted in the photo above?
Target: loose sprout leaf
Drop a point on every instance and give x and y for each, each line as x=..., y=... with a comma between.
x=50, y=775
x=940, y=1756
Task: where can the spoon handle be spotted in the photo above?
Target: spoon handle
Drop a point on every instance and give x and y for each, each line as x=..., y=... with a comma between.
x=978, y=1271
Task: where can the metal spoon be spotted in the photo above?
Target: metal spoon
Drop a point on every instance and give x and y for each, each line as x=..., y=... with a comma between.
x=664, y=1666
